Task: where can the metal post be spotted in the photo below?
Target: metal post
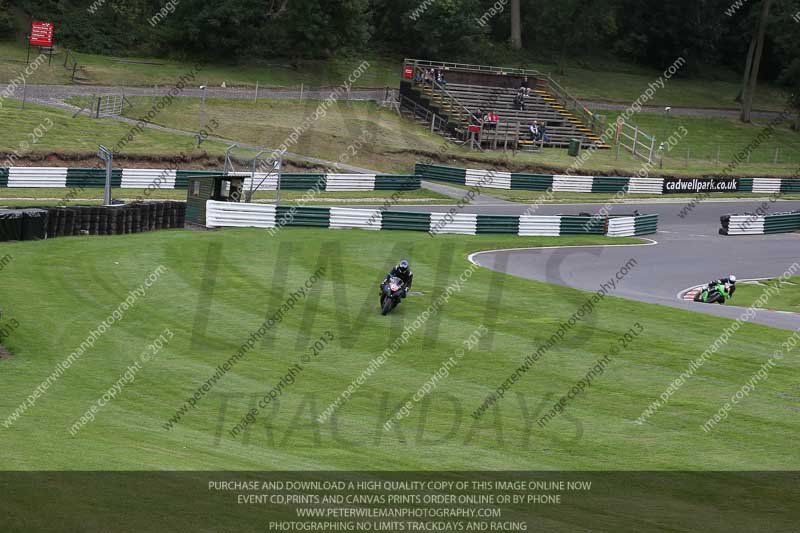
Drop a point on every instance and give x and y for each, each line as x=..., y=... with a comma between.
x=106, y=155
x=74, y=68
x=433, y=122
x=249, y=195
x=635, y=135
x=618, y=144
x=688, y=154
x=228, y=165
x=301, y=90
x=718, y=150
x=777, y=151
x=24, y=91
x=652, y=145
x=202, y=110
x=280, y=170
x=109, y=172
x=255, y=98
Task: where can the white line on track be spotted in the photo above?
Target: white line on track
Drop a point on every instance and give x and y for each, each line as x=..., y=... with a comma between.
x=650, y=242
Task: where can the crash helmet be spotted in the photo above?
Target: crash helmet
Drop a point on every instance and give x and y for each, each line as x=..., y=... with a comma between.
x=732, y=278
x=403, y=266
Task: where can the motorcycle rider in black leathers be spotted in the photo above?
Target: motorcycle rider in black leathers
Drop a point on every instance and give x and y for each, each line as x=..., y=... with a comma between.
x=729, y=283
x=404, y=273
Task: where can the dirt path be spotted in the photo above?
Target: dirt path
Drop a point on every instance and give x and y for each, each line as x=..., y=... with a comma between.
x=60, y=92
x=56, y=93
x=694, y=111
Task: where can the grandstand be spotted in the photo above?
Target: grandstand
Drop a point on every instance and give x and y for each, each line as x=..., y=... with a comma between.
x=452, y=109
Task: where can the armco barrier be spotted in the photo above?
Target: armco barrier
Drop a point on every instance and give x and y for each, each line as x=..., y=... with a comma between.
x=752, y=224
x=37, y=177
x=227, y=214
x=630, y=226
x=143, y=178
x=600, y=184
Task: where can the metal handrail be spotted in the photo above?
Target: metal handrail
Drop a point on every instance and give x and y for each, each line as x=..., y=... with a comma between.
x=472, y=68
x=439, y=121
x=454, y=100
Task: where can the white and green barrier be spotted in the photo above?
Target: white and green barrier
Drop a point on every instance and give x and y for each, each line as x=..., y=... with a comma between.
x=231, y=214
x=603, y=184
x=142, y=178
x=754, y=224
x=629, y=226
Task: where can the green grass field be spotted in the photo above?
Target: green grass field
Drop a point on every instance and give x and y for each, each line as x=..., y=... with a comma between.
x=380, y=139
x=46, y=196
x=788, y=299
x=219, y=286
x=144, y=71
x=707, y=137
x=394, y=144
x=63, y=133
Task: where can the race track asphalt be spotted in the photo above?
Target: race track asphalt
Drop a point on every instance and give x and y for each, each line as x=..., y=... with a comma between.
x=689, y=251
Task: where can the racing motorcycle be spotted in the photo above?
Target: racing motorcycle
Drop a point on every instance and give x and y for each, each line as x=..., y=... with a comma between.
x=391, y=290
x=717, y=294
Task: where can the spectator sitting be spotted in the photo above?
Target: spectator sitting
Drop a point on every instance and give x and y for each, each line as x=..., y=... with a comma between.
x=534, y=129
x=525, y=87
x=543, y=134
x=440, y=79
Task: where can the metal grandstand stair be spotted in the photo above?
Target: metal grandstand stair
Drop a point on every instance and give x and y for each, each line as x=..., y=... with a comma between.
x=578, y=124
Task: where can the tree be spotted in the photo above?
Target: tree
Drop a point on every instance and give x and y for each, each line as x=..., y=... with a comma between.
x=575, y=25
x=753, y=61
x=6, y=21
x=516, y=30
x=787, y=50
x=443, y=30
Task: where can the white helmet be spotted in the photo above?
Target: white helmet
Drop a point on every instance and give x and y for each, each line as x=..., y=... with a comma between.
x=732, y=278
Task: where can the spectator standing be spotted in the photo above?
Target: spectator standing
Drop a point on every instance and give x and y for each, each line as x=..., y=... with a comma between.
x=494, y=119
x=519, y=100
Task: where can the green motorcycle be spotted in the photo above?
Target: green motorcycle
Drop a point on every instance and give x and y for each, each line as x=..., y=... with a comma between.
x=717, y=294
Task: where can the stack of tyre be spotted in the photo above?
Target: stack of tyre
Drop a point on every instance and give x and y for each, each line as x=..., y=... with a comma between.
x=115, y=220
